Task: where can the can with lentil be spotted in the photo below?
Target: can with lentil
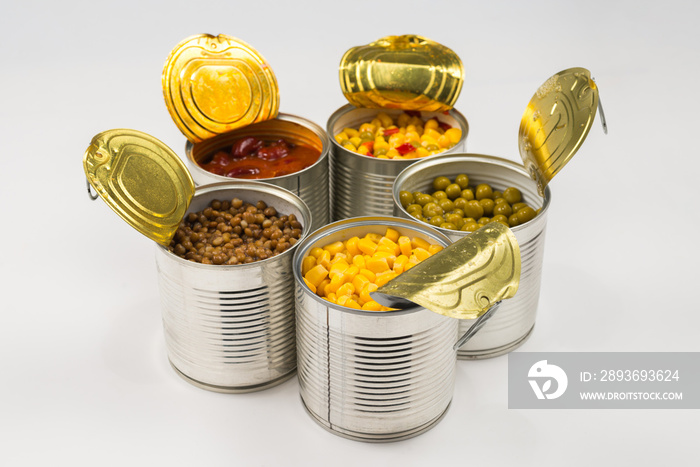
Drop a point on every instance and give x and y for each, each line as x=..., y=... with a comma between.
x=514, y=321
x=231, y=327
x=372, y=375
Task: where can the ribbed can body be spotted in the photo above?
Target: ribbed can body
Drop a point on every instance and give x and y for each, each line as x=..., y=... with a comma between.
x=310, y=184
x=232, y=328
x=362, y=185
x=513, y=322
x=372, y=376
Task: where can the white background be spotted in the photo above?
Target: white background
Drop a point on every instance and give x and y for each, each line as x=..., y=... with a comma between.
x=84, y=377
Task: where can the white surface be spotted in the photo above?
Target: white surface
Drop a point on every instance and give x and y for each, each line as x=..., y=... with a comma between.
x=85, y=378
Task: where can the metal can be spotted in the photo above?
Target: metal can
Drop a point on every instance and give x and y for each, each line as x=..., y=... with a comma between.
x=372, y=376
x=232, y=328
x=310, y=184
x=362, y=185
x=515, y=319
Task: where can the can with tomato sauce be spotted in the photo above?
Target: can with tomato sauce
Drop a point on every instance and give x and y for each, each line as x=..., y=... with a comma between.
x=219, y=90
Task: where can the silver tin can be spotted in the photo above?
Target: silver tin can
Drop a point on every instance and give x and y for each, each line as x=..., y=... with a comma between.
x=361, y=185
x=232, y=328
x=372, y=376
x=310, y=184
x=514, y=321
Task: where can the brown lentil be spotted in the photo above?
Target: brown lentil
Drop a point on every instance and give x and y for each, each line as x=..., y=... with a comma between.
x=234, y=232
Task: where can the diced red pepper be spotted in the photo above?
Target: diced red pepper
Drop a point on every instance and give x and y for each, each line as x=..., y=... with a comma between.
x=412, y=113
x=405, y=148
x=445, y=126
x=370, y=147
x=390, y=131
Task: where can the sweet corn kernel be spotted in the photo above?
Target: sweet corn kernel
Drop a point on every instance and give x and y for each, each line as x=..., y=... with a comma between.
x=324, y=259
x=385, y=277
x=356, y=141
x=360, y=281
x=364, y=294
x=455, y=134
x=350, y=273
x=417, y=242
x=405, y=245
x=431, y=124
x=316, y=252
x=321, y=289
x=371, y=306
x=392, y=234
x=310, y=285
x=306, y=264
x=338, y=267
x=335, y=247
x=316, y=274
x=432, y=249
x=377, y=265
x=367, y=246
x=368, y=274
x=359, y=261
x=421, y=253
x=444, y=142
x=345, y=289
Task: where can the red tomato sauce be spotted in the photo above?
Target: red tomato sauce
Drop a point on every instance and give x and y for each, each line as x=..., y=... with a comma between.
x=253, y=158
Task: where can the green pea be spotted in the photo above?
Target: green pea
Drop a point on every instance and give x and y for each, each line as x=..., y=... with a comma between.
x=411, y=208
x=453, y=191
x=513, y=220
x=502, y=209
x=468, y=194
x=526, y=214
x=473, y=209
x=436, y=221
x=380, y=152
x=448, y=226
x=432, y=210
x=512, y=195
x=406, y=198
x=454, y=218
x=460, y=203
x=470, y=227
x=432, y=147
x=496, y=194
x=440, y=183
x=423, y=199
x=366, y=136
x=446, y=205
x=439, y=195
x=483, y=191
x=484, y=220
x=518, y=206
x=487, y=204
x=500, y=218
x=462, y=180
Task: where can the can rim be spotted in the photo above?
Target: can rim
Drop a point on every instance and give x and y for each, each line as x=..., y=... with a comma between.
x=456, y=114
x=471, y=157
x=322, y=135
x=385, y=221
x=252, y=186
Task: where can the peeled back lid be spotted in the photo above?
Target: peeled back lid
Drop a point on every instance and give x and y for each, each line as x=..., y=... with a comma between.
x=214, y=84
x=556, y=123
x=141, y=179
x=402, y=72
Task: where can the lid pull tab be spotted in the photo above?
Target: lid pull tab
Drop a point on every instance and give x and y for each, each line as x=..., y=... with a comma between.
x=478, y=324
x=602, y=114
x=89, y=189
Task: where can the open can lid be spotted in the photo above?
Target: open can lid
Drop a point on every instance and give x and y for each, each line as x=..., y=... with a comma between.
x=141, y=179
x=402, y=72
x=556, y=123
x=214, y=84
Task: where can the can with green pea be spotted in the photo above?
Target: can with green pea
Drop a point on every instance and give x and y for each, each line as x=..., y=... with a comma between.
x=515, y=319
x=361, y=185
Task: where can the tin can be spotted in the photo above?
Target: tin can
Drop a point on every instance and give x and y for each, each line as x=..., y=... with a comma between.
x=372, y=376
x=515, y=319
x=232, y=328
x=310, y=184
x=362, y=185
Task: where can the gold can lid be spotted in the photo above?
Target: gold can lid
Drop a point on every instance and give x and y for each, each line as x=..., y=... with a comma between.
x=465, y=279
x=556, y=122
x=141, y=179
x=214, y=84
x=402, y=72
